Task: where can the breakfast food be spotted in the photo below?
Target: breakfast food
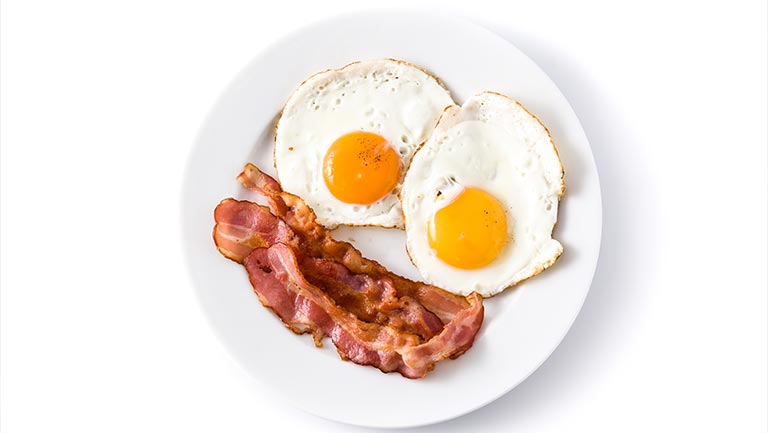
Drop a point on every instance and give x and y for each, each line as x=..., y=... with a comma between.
x=321, y=286
x=481, y=198
x=477, y=188
x=346, y=136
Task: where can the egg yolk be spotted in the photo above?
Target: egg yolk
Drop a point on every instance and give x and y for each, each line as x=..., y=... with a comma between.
x=361, y=168
x=469, y=232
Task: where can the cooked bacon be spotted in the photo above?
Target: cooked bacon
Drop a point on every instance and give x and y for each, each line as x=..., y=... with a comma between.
x=316, y=241
x=371, y=299
x=317, y=284
x=242, y=226
x=303, y=307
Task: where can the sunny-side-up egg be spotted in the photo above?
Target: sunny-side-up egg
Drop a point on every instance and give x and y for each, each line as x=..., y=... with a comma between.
x=481, y=196
x=345, y=137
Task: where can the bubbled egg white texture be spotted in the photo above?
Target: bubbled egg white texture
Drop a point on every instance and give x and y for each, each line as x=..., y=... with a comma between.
x=393, y=99
x=494, y=144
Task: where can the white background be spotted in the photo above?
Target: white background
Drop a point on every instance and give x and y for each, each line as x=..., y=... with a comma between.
x=101, y=101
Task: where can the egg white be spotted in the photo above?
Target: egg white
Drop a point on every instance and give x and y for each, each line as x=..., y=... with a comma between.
x=394, y=99
x=492, y=143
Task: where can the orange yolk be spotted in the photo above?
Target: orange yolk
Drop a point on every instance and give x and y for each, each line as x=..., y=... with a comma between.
x=469, y=232
x=361, y=168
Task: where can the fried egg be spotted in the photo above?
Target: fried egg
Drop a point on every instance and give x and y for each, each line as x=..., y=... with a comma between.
x=481, y=198
x=345, y=137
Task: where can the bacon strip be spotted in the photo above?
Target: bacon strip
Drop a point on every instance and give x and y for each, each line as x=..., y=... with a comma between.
x=371, y=299
x=242, y=226
x=303, y=307
x=317, y=284
x=280, y=285
x=316, y=241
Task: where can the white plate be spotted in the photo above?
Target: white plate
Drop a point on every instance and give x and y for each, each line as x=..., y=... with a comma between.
x=522, y=326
